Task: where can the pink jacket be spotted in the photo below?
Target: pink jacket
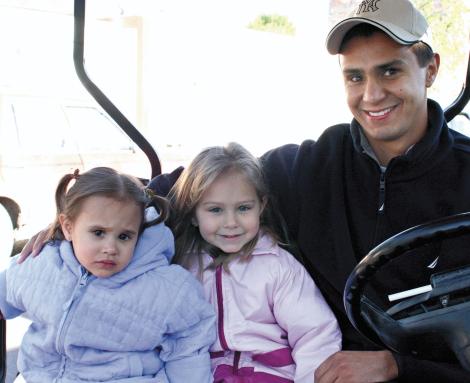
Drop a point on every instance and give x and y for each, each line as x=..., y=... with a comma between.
x=273, y=323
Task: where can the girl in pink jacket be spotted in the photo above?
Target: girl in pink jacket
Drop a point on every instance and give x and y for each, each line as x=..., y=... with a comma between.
x=273, y=323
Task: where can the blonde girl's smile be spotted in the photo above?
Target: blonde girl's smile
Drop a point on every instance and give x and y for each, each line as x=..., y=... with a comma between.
x=230, y=236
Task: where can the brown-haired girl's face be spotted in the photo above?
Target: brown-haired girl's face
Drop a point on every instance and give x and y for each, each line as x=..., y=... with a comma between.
x=228, y=214
x=104, y=234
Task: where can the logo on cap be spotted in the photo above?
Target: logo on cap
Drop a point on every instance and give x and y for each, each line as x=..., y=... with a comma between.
x=367, y=6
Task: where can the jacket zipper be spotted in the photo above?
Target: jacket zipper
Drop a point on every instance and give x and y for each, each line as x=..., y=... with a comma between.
x=236, y=362
x=380, y=209
x=382, y=192
x=220, y=307
x=65, y=321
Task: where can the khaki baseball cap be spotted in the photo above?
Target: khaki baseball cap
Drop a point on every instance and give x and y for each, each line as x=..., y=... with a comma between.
x=399, y=19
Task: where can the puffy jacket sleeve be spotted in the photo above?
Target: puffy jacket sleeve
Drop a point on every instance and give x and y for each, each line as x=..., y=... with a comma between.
x=299, y=307
x=8, y=306
x=190, y=333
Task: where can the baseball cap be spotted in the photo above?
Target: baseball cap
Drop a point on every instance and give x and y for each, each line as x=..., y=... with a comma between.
x=399, y=19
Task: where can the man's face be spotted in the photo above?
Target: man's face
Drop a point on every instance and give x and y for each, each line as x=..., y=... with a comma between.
x=386, y=89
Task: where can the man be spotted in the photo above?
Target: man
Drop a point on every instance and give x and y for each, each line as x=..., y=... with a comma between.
x=395, y=166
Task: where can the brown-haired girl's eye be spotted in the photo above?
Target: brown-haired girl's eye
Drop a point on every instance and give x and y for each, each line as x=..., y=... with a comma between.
x=124, y=237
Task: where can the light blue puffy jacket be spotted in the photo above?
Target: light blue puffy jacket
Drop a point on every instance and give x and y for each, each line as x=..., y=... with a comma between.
x=147, y=323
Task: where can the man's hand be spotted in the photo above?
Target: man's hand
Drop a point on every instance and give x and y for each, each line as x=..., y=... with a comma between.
x=34, y=245
x=357, y=367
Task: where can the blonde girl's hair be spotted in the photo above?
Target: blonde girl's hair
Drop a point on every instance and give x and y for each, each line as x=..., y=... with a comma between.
x=105, y=182
x=188, y=191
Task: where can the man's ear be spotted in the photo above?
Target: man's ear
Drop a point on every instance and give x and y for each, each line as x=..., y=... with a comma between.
x=66, y=226
x=431, y=69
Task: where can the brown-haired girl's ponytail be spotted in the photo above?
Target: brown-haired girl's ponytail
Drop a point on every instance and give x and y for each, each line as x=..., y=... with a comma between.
x=161, y=204
x=55, y=231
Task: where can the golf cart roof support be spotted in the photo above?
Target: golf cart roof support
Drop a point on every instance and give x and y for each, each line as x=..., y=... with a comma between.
x=100, y=97
x=462, y=99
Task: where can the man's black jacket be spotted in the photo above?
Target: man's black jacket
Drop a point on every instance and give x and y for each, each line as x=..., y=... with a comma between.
x=337, y=210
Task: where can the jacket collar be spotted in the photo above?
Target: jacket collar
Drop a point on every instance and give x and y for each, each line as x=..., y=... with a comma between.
x=265, y=245
x=437, y=135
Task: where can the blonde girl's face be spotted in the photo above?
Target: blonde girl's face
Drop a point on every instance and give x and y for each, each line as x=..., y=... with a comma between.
x=228, y=214
x=104, y=234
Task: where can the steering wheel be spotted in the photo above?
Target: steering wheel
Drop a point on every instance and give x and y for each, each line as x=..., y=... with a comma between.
x=418, y=323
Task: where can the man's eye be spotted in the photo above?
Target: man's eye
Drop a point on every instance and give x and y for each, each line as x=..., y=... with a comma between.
x=355, y=78
x=124, y=237
x=352, y=76
x=390, y=72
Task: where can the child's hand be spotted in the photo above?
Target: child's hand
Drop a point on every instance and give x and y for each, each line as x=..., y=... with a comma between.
x=34, y=245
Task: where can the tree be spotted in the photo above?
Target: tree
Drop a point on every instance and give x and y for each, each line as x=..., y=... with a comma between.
x=449, y=21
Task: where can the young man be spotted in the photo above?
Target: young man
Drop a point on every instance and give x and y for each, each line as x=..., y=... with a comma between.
x=396, y=165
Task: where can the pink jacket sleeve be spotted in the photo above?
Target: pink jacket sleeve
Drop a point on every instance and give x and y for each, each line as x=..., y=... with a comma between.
x=299, y=308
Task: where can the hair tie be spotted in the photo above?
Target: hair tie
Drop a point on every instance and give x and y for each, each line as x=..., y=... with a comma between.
x=149, y=193
x=76, y=176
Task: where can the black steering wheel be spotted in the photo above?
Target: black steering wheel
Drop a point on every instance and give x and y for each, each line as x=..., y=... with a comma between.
x=417, y=323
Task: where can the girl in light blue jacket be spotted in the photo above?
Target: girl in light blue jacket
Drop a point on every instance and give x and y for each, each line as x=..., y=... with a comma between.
x=104, y=302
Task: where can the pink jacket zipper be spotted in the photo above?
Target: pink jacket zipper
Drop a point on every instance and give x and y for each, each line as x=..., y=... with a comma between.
x=220, y=307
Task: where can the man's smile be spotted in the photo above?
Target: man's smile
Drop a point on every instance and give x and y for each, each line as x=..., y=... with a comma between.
x=381, y=113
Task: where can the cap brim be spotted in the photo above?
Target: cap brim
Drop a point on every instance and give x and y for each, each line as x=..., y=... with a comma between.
x=337, y=33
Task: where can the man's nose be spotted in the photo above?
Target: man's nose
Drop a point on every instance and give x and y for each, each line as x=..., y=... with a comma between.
x=373, y=90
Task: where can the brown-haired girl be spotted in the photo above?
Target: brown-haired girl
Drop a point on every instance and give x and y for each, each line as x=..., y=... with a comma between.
x=105, y=304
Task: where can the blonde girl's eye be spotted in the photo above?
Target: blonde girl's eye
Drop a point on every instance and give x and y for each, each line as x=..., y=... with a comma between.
x=214, y=210
x=98, y=233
